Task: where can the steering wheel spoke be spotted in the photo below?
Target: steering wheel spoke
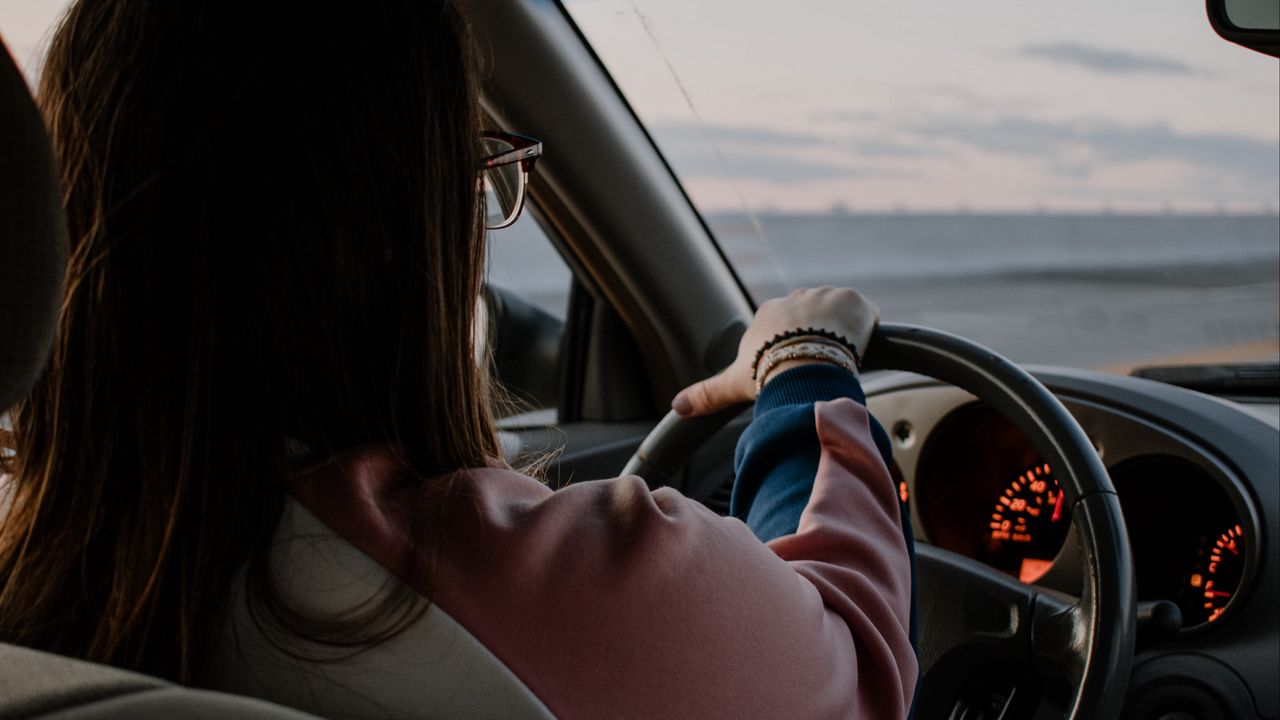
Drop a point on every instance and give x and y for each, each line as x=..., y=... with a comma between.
x=1060, y=641
x=972, y=618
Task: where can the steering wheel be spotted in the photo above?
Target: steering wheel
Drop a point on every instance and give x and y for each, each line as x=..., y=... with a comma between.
x=971, y=616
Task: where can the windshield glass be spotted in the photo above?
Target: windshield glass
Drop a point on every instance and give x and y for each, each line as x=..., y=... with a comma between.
x=1090, y=183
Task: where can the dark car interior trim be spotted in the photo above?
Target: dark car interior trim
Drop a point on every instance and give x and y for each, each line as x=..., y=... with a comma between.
x=659, y=269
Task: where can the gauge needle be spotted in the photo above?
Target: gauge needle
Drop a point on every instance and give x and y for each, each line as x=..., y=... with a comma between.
x=1057, y=508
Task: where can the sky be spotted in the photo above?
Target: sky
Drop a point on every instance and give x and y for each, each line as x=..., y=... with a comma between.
x=1001, y=105
x=24, y=25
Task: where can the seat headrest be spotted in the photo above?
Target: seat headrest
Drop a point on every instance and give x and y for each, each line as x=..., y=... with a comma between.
x=33, y=237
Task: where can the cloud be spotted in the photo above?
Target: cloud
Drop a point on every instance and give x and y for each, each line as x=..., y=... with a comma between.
x=689, y=133
x=745, y=164
x=735, y=151
x=1064, y=150
x=1074, y=147
x=896, y=149
x=1105, y=60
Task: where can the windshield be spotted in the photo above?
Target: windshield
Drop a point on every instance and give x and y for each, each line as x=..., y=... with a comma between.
x=1092, y=184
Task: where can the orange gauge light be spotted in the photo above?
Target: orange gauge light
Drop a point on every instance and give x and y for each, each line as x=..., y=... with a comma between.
x=1028, y=524
x=1033, y=569
x=1216, y=576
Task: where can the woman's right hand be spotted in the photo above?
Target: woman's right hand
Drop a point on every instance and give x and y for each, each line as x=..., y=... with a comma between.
x=843, y=311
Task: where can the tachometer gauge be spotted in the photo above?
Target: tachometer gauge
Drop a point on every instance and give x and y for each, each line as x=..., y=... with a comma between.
x=1029, y=523
x=1214, y=579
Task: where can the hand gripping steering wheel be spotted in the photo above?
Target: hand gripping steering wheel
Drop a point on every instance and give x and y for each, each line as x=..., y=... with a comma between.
x=971, y=616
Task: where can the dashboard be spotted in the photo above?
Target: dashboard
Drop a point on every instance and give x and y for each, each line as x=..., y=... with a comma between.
x=1197, y=479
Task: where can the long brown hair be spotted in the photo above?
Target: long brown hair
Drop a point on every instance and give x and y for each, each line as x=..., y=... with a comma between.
x=275, y=242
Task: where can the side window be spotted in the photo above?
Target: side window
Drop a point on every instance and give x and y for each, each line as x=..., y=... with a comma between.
x=526, y=303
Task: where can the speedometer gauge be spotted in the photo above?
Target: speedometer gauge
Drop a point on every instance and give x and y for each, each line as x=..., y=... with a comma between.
x=1028, y=524
x=1214, y=579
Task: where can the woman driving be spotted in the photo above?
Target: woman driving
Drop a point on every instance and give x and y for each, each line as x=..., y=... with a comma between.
x=262, y=459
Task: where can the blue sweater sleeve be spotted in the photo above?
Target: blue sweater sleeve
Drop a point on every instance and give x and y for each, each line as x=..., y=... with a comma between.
x=776, y=460
x=777, y=456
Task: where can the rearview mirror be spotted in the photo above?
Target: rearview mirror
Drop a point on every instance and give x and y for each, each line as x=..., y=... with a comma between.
x=1254, y=24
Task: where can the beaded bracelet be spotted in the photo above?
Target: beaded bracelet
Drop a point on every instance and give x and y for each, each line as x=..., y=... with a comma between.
x=824, y=350
x=804, y=333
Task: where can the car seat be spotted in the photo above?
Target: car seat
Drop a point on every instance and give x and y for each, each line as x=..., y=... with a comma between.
x=33, y=242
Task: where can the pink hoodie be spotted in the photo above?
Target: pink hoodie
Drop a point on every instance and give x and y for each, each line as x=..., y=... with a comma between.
x=607, y=600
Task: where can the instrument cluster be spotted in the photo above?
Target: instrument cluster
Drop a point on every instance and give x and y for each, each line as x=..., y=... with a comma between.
x=982, y=490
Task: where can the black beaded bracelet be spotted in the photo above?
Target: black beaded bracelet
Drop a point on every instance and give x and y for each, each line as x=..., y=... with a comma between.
x=804, y=332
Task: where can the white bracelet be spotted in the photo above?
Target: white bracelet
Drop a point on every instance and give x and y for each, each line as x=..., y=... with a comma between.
x=822, y=350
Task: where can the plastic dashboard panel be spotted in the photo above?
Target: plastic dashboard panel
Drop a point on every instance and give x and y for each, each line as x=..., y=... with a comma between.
x=1130, y=418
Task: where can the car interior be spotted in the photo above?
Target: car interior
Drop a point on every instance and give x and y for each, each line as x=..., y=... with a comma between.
x=1110, y=551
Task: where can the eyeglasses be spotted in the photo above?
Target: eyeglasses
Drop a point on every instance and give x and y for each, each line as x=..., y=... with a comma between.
x=508, y=160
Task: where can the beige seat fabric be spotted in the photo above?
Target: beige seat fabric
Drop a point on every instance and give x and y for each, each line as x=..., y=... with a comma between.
x=40, y=685
x=435, y=668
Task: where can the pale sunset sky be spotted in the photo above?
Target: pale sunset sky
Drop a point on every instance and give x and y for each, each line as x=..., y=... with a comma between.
x=997, y=105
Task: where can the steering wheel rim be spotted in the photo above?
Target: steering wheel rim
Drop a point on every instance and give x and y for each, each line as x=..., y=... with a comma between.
x=984, y=615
